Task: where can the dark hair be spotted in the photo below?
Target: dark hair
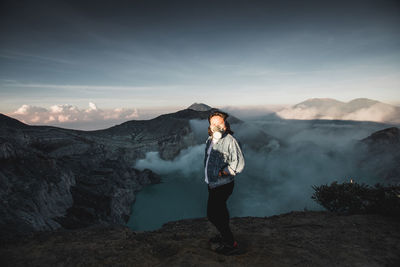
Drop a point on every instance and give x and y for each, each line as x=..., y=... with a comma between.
x=224, y=116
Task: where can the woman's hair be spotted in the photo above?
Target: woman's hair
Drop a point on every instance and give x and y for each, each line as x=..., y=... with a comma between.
x=224, y=116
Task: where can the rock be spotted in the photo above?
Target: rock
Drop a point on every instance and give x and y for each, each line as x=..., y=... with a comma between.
x=148, y=177
x=7, y=151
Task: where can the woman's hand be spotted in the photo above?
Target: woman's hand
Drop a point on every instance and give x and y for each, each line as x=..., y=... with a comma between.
x=222, y=173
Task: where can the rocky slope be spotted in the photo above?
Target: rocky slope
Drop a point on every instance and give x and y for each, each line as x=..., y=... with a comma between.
x=54, y=178
x=380, y=154
x=293, y=239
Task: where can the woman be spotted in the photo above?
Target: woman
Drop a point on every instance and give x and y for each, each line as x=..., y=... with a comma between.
x=223, y=160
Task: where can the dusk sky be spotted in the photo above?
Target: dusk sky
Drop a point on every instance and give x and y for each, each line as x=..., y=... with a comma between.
x=149, y=54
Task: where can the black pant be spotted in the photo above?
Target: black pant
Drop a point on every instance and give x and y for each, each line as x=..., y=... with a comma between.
x=217, y=211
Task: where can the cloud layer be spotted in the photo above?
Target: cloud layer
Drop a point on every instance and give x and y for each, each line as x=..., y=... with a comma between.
x=330, y=109
x=70, y=116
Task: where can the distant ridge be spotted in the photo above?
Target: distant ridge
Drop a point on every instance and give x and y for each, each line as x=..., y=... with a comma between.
x=199, y=107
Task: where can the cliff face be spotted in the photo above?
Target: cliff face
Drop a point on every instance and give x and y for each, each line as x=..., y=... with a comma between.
x=52, y=178
x=293, y=239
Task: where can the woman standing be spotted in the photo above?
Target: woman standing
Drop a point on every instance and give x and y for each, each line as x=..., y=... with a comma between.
x=223, y=160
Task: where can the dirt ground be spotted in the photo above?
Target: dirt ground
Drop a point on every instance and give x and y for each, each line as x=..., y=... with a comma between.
x=293, y=239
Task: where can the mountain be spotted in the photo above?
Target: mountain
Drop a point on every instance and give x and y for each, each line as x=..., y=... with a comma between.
x=53, y=178
x=294, y=239
x=360, y=109
x=199, y=107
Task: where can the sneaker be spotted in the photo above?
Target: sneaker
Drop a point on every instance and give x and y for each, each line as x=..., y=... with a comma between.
x=227, y=249
x=216, y=239
x=235, y=244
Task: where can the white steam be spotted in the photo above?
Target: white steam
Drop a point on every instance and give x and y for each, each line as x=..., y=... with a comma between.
x=280, y=180
x=354, y=110
x=186, y=163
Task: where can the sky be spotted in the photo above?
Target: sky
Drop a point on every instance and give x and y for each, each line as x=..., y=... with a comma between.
x=133, y=57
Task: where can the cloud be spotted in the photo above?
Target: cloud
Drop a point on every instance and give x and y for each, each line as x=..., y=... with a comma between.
x=199, y=129
x=186, y=163
x=378, y=112
x=26, y=109
x=253, y=111
x=71, y=116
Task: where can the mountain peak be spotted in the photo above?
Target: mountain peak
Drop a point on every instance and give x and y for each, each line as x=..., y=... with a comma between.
x=363, y=101
x=317, y=102
x=199, y=107
x=326, y=99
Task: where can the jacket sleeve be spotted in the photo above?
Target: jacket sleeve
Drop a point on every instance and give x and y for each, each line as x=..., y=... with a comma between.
x=236, y=158
x=205, y=153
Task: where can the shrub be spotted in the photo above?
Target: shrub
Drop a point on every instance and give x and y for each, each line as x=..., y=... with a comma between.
x=353, y=198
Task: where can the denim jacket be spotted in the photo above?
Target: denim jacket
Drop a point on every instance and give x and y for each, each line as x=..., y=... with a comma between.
x=226, y=154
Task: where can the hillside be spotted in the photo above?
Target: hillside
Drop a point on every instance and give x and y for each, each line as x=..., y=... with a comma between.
x=292, y=239
x=382, y=147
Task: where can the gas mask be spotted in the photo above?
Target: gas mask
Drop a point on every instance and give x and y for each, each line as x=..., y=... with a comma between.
x=217, y=132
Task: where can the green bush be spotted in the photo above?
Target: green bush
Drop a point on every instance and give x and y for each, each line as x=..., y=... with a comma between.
x=353, y=198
